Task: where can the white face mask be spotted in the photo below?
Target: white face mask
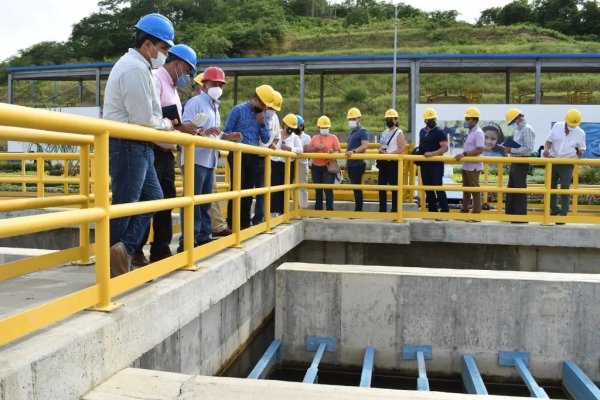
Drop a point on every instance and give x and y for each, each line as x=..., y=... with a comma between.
x=570, y=128
x=324, y=131
x=159, y=61
x=215, y=92
x=352, y=124
x=269, y=113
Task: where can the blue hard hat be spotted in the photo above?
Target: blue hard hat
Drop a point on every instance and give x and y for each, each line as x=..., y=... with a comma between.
x=186, y=53
x=158, y=26
x=300, y=120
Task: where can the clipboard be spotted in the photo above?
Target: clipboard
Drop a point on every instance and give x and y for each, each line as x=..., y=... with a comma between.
x=171, y=112
x=511, y=143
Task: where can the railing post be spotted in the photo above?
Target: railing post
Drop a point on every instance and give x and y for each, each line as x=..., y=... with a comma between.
x=400, y=190
x=286, y=193
x=575, y=197
x=188, y=215
x=500, y=183
x=40, y=171
x=237, y=202
x=103, y=225
x=267, y=196
x=66, y=176
x=84, y=190
x=296, y=203
x=547, y=186
x=23, y=174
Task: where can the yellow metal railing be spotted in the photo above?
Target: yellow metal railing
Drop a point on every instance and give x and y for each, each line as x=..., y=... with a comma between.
x=93, y=203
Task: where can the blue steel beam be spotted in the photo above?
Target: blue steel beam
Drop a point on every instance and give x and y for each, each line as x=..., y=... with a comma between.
x=520, y=360
x=577, y=383
x=367, y=369
x=311, y=373
x=471, y=376
x=320, y=345
x=419, y=353
x=271, y=356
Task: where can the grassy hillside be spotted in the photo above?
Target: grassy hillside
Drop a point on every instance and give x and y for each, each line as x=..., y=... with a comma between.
x=329, y=37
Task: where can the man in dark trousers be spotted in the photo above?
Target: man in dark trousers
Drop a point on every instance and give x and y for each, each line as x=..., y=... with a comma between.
x=433, y=142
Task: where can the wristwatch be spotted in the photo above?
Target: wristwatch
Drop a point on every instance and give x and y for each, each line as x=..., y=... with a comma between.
x=465, y=153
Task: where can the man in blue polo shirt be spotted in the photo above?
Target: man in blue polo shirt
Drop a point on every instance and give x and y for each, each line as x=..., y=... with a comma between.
x=249, y=119
x=433, y=142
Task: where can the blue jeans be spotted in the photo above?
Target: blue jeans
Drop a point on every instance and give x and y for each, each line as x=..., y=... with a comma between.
x=131, y=168
x=321, y=175
x=203, y=180
x=355, y=173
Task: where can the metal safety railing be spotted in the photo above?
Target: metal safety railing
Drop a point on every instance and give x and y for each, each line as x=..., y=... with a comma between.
x=93, y=208
x=31, y=125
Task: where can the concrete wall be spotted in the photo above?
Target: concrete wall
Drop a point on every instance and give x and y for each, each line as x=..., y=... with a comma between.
x=553, y=316
x=452, y=255
x=197, y=319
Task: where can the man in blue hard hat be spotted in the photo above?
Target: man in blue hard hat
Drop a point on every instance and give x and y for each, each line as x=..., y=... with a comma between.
x=177, y=72
x=131, y=97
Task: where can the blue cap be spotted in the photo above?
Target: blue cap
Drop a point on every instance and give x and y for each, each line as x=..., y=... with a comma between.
x=158, y=26
x=186, y=53
x=300, y=120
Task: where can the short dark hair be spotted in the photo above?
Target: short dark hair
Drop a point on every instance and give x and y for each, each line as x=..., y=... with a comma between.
x=140, y=37
x=173, y=57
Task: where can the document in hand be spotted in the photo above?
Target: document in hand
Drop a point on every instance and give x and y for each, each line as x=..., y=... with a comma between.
x=511, y=143
x=171, y=112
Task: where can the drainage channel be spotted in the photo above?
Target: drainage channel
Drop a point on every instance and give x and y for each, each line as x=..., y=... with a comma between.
x=261, y=359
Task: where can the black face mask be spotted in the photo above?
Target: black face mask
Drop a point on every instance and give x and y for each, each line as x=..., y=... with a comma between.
x=390, y=123
x=290, y=131
x=258, y=110
x=430, y=124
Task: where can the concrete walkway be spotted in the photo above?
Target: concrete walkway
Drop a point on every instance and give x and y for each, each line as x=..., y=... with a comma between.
x=140, y=384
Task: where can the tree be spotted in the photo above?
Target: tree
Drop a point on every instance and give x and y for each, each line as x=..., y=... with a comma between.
x=560, y=15
x=517, y=12
x=589, y=21
x=358, y=16
x=489, y=16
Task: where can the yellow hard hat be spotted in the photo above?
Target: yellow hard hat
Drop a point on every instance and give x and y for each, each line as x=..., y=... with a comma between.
x=391, y=113
x=513, y=114
x=277, y=101
x=429, y=113
x=266, y=94
x=324, y=122
x=472, y=112
x=291, y=121
x=353, y=113
x=573, y=117
x=198, y=78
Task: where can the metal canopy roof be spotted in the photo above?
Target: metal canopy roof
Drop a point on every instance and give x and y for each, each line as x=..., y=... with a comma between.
x=427, y=63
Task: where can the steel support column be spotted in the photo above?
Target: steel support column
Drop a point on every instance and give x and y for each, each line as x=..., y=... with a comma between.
x=507, y=90
x=538, y=81
x=98, y=87
x=11, y=92
x=414, y=99
x=235, y=89
x=302, y=89
x=321, y=91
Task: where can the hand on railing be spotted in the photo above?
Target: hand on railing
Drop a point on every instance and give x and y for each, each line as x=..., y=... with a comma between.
x=188, y=127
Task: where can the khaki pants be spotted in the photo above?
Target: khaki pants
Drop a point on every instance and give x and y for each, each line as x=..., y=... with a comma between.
x=471, y=179
x=218, y=223
x=302, y=193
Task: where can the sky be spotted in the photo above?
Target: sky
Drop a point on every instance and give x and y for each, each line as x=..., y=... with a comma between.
x=27, y=22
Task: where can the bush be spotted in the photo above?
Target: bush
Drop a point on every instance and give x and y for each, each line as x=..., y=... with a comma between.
x=589, y=175
x=356, y=95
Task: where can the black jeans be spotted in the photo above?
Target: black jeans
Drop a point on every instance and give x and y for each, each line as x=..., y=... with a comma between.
x=516, y=203
x=388, y=175
x=278, y=178
x=162, y=223
x=432, y=173
x=249, y=167
x=259, y=201
x=356, y=173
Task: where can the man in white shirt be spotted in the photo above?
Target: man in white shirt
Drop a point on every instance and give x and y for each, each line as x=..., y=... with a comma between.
x=131, y=97
x=566, y=140
x=176, y=73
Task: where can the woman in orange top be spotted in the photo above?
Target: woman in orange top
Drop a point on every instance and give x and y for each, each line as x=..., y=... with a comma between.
x=324, y=142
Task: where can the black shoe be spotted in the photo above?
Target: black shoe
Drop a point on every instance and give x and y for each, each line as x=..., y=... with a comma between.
x=202, y=242
x=158, y=257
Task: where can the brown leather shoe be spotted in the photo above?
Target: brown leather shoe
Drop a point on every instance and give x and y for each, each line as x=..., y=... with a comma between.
x=139, y=259
x=120, y=260
x=224, y=232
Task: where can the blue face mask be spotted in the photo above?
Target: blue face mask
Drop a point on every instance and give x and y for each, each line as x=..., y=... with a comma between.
x=183, y=81
x=466, y=125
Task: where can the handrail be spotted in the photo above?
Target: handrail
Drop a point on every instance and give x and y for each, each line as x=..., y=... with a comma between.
x=26, y=124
